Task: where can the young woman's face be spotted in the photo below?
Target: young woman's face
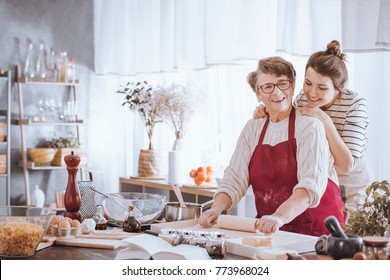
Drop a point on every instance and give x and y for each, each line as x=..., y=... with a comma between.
x=319, y=90
x=275, y=92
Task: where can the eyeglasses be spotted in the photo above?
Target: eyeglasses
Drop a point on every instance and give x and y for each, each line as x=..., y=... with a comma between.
x=282, y=85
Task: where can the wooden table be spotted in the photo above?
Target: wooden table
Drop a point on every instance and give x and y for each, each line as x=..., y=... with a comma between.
x=196, y=195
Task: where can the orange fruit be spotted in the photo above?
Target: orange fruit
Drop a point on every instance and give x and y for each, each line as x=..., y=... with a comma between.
x=209, y=178
x=198, y=180
x=201, y=169
x=193, y=173
x=209, y=170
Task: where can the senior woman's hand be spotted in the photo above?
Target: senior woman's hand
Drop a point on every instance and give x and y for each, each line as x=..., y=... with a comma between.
x=210, y=217
x=270, y=223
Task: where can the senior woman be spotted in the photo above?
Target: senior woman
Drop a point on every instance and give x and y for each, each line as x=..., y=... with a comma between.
x=285, y=158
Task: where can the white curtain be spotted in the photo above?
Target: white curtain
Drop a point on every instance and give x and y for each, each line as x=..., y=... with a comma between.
x=144, y=36
x=366, y=25
x=215, y=44
x=306, y=26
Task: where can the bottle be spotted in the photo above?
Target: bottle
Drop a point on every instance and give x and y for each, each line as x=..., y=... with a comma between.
x=215, y=245
x=131, y=224
x=101, y=222
x=200, y=238
x=40, y=67
x=52, y=74
x=38, y=197
x=184, y=236
x=62, y=66
x=28, y=69
x=72, y=70
x=168, y=234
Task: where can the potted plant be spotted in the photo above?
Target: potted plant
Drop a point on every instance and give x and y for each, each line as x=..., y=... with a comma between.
x=373, y=217
x=64, y=146
x=140, y=97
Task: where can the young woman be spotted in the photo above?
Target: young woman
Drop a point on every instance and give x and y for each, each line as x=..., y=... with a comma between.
x=344, y=115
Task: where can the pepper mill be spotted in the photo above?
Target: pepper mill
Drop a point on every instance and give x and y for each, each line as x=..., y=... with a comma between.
x=72, y=196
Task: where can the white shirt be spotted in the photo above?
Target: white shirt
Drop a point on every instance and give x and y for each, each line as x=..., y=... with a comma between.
x=314, y=160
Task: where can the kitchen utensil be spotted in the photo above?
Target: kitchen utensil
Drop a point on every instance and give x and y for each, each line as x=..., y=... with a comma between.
x=334, y=227
x=340, y=247
x=149, y=205
x=174, y=212
x=117, y=200
x=179, y=196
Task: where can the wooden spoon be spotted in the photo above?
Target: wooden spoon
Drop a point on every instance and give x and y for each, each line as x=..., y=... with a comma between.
x=179, y=196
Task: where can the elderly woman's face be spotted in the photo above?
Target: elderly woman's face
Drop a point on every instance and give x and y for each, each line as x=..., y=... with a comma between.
x=276, y=92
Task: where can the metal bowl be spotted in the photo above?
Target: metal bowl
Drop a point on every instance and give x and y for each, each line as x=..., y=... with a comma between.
x=148, y=206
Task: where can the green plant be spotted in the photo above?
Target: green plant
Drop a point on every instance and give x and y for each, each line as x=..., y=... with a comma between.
x=63, y=142
x=372, y=218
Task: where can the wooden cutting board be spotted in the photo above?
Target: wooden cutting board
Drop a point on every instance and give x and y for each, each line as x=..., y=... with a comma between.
x=282, y=239
x=90, y=243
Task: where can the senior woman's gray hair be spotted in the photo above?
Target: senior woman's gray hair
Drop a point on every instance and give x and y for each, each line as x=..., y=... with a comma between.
x=272, y=65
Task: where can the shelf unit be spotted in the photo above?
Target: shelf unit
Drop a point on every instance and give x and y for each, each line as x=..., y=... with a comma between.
x=23, y=122
x=5, y=144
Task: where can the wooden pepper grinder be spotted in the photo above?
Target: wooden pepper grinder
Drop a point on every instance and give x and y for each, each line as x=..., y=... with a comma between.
x=72, y=196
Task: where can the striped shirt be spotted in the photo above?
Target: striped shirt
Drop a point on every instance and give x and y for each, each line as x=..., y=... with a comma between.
x=349, y=115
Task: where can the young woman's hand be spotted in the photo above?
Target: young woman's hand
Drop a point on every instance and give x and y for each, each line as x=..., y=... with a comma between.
x=314, y=112
x=260, y=112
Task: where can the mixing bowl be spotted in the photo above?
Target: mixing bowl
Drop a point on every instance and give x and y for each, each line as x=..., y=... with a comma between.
x=22, y=228
x=148, y=206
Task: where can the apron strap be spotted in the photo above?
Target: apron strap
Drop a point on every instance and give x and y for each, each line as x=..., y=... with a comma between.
x=291, y=124
x=263, y=132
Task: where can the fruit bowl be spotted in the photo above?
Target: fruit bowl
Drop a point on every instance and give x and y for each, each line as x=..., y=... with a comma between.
x=21, y=229
x=148, y=206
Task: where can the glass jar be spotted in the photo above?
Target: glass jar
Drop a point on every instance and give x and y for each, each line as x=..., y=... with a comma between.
x=101, y=222
x=169, y=235
x=376, y=247
x=131, y=223
x=215, y=245
x=200, y=238
x=184, y=236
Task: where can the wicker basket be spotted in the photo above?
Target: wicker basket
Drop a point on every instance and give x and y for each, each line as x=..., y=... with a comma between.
x=152, y=163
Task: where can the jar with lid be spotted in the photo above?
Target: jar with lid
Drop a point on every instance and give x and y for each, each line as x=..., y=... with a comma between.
x=376, y=247
x=184, y=236
x=131, y=223
x=101, y=222
x=200, y=238
x=215, y=245
x=169, y=235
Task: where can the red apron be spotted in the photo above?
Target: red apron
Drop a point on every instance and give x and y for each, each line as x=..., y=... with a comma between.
x=273, y=175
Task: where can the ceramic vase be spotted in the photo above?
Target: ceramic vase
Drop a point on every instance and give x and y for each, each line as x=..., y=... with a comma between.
x=177, y=164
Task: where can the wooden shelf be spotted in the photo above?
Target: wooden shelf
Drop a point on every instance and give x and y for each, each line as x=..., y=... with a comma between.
x=33, y=166
x=24, y=80
x=29, y=122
